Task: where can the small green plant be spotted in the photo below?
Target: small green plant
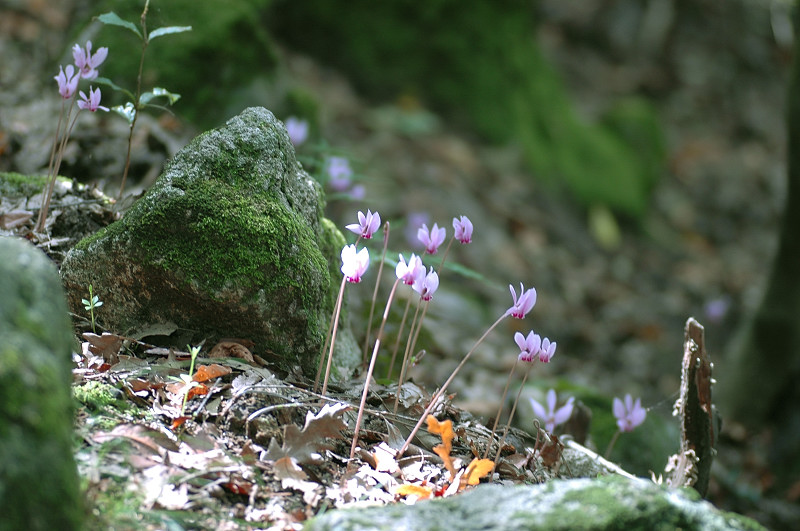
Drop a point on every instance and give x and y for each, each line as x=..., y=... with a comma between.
x=188, y=379
x=90, y=304
x=139, y=100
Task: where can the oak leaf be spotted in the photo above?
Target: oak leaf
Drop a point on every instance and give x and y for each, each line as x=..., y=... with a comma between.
x=305, y=445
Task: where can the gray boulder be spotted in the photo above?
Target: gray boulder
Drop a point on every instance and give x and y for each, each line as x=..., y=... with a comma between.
x=611, y=502
x=39, y=486
x=229, y=242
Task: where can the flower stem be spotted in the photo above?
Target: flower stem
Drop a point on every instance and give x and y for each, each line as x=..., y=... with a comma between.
x=404, y=364
x=611, y=444
x=334, y=328
x=440, y=392
x=375, y=291
x=511, y=417
x=500, y=410
x=397, y=339
x=370, y=369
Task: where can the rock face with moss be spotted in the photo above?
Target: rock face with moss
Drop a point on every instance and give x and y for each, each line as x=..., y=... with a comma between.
x=39, y=486
x=229, y=242
x=608, y=503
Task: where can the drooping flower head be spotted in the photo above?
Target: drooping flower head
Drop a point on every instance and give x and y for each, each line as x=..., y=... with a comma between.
x=92, y=103
x=367, y=224
x=339, y=173
x=523, y=304
x=297, y=129
x=547, y=350
x=409, y=272
x=528, y=345
x=551, y=416
x=463, y=229
x=354, y=264
x=426, y=285
x=86, y=62
x=67, y=82
x=431, y=238
x=629, y=414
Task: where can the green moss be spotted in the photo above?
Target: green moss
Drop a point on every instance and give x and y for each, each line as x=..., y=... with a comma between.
x=17, y=185
x=96, y=395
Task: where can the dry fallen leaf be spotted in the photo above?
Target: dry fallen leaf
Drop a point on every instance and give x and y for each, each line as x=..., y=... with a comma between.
x=445, y=430
x=304, y=445
x=106, y=345
x=231, y=349
x=209, y=372
x=477, y=469
x=422, y=492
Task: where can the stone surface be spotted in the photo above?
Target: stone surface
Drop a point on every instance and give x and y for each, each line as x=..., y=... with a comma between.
x=39, y=486
x=229, y=242
x=608, y=503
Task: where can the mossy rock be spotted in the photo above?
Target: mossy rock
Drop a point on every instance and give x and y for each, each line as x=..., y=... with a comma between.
x=229, y=242
x=480, y=66
x=611, y=502
x=39, y=486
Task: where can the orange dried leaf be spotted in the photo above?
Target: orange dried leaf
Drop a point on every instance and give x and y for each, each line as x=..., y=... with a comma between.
x=208, y=372
x=445, y=430
x=477, y=469
x=421, y=492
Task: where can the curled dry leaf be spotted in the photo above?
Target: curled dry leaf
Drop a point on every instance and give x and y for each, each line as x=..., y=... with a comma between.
x=445, y=430
x=477, y=469
x=305, y=445
x=107, y=345
x=422, y=492
x=231, y=349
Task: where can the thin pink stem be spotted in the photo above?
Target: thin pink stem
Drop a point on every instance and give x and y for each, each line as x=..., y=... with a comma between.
x=375, y=291
x=404, y=364
x=398, y=338
x=441, y=390
x=371, y=368
x=500, y=410
x=334, y=319
x=511, y=417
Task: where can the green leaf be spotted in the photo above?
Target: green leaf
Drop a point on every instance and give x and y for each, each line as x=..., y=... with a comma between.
x=112, y=19
x=107, y=82
x=127, y=111
x=157, y=92
x=168, y=30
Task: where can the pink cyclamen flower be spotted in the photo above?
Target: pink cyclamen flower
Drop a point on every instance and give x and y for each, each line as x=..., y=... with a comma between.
x=426, y=285
x=528, y=345
x=339, y=173
x=86, y=62
x=67, y=82
x=463, y=229
x=367, y=224
x=92, y=103
x=551, y=416
x=354, y=264
x=547, y=350
x=432, y=238
x=629, y=414
x=523, y=304
x=409, y=272
x=297, y=129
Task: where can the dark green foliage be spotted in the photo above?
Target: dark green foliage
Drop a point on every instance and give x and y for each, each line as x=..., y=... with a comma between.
x=479, y=64
x=38, y=481
x=225, y=50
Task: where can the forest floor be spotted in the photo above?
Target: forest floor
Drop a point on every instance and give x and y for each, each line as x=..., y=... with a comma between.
x=718, y=81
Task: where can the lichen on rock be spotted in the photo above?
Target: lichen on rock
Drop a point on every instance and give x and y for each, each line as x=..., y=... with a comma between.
x=229, y=242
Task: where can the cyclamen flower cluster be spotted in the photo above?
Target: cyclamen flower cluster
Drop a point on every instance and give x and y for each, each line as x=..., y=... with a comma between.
x=629, y=414
x=340, y=177
x=551, y=416
x=533, y=345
